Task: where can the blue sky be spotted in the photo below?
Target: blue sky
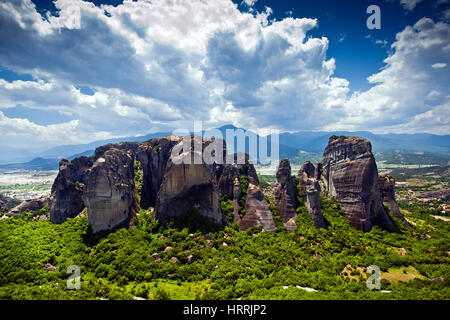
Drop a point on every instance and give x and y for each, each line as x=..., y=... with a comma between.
x=136, y=67
x=344, y=24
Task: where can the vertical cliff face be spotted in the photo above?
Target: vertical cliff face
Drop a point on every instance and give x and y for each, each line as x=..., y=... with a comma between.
x=67, y=190
x=257, y=212
x=285, y=198
x=239, y=181
x=350, y=175
x=154, y=155
x=310, y=191
x=104, y=183
x=308, y=169
x=187, y=186
x=387, y=185
x=191, y=186
x=109, y=191
x=318, y=171
x=73, y=177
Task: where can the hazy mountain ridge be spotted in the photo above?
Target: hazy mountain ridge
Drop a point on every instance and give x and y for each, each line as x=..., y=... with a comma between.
x=300, y=146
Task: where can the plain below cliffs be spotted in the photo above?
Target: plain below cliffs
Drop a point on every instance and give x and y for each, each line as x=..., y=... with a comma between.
x=350, y=175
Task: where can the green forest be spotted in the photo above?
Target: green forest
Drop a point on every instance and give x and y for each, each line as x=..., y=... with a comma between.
x=224, y=263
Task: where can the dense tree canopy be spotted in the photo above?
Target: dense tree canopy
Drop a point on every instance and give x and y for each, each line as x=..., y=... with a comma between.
x=233, y=264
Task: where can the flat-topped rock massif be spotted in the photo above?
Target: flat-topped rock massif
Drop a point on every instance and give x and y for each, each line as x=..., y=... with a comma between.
x=350, y=175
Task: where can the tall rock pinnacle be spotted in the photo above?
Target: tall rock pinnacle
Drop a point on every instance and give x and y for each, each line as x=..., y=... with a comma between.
x=350, y=175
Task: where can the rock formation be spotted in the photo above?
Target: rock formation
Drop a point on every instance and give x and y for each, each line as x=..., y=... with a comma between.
x=307, y=168
x=350, y=175
x=109, y=191
x=67, y=189
x=257, y=212
x=153, y=155
x=30, y=205
x=285, y=195
x=187, y=186
x=3, y=206
x=104, y=183
x=131, y=147
x=240, y=183
x=200, y=186
x=4, y=203
x=78, y=181
x=387, y=184
x=318, y=171
x=310, y=191
x=440, y=194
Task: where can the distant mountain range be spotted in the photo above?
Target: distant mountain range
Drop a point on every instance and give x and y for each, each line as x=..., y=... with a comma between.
x=297, y=146
x=405, y=143
x=35, y=164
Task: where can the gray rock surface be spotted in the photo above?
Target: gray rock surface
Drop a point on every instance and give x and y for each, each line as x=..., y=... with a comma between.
x=4, y=203
x=67, y=189
x=30, y=205
x=255, y=210
x=285, y=195
x=154, y=155
x=187, y=186
x=387, y=192
x=109, y=191
x=310, y=191
x=307, y=168
x=350, y=175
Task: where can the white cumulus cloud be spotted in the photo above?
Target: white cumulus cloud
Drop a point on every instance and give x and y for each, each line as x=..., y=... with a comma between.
x=159, y=65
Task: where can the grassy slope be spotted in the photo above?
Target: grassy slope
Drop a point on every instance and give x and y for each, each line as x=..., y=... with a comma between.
x=256, y=265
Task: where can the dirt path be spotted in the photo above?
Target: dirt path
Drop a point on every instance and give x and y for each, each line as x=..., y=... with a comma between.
x=446, y=219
